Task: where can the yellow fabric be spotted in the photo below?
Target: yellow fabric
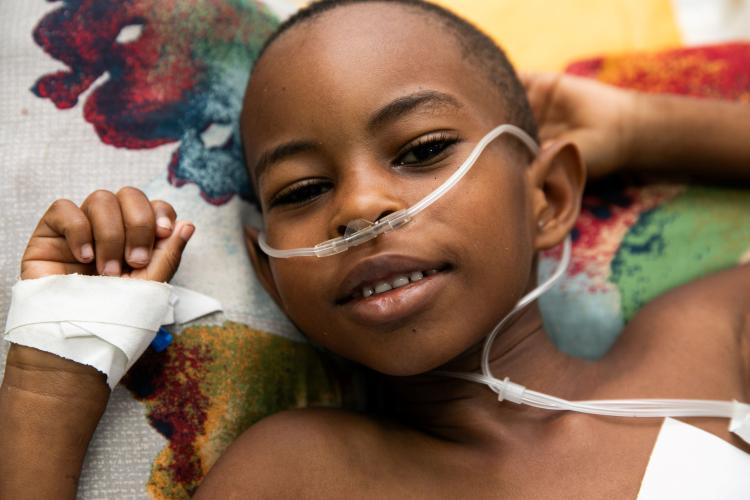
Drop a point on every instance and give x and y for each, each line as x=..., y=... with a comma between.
x=548, y=34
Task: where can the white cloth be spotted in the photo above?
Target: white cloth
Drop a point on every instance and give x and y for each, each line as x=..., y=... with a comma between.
x=101, y=321
x=691, y=464
x=740, y=423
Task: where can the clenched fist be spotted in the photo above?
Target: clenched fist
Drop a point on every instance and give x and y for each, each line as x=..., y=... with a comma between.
x=121, y=234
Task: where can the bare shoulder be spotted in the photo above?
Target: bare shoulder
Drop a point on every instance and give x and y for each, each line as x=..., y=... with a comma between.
x=695, y=337
x=310, y=453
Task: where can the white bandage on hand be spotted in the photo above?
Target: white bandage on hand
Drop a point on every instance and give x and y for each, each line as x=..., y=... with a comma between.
x=100, y=321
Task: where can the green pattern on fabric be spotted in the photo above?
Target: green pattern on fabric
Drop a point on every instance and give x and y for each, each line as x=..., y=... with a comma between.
x=703, y=230
x=213, y=383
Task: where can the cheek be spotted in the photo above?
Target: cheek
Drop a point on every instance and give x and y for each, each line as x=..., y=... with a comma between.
x=304, y=288
x=491, y=213
x=482, y=227
x=497, y=250
x=295, y=280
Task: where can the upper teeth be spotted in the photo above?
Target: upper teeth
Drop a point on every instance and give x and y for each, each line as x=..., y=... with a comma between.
x=396, y=282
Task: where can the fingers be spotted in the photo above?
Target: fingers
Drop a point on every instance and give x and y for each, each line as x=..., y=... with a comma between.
x=165, y=218
x=536, y=79
x=168, y=252
x=139, y=222
x=110, y=228
x=64, y=218
x=527, y=78
x=103, y=211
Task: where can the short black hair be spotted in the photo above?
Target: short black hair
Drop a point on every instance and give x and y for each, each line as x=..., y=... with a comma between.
x=476, y=46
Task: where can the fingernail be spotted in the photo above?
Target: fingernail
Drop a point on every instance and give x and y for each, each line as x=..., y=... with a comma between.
x=187, y=231
x=164, y=222
x=87, y=251
x=111, y=268
x=139, y=255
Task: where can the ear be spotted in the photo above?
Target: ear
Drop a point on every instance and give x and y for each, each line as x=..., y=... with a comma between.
x=557, y=178
x=261, y=264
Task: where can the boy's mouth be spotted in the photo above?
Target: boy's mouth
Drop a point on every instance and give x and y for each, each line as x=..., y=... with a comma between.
x=381, y=275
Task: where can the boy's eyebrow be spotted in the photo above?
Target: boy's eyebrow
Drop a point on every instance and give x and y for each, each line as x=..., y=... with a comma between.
x=402, y=105
x=279, y=153
x=391, y=111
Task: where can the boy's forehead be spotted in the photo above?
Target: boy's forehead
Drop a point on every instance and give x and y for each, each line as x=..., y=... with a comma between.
x=354, y=32
x=350, y=59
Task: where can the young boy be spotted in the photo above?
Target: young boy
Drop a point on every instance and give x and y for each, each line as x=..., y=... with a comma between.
x=356, y=110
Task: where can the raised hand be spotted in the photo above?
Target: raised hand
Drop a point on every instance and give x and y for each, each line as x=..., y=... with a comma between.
x=121, y=234
x=598, y=118
x=52, y=403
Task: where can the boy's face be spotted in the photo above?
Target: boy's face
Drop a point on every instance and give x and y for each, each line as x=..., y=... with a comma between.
x=374, y=106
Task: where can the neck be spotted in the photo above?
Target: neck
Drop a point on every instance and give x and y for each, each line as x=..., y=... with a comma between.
x=464, y=411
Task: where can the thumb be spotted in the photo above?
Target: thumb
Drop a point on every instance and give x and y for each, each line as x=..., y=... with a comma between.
x=168, y=252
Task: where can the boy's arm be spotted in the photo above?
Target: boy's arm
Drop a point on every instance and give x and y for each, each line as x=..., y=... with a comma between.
x=623, y=130
x=50, y=406
x=707, y=138
x=49, y=409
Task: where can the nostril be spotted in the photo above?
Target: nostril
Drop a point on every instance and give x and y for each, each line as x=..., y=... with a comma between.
x=385, y=214
x=357, y=224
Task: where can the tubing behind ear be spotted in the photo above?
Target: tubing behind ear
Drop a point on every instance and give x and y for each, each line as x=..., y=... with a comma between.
x=737, y=412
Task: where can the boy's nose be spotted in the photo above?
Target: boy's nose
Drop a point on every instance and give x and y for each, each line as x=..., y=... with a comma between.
x=370, y=203
x=355, y=225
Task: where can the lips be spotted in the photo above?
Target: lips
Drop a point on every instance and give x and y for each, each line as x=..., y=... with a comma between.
x=378, y=275
x=386, y=285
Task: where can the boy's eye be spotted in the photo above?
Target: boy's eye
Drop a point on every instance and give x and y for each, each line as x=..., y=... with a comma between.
x=425, y=151
x=301, y=192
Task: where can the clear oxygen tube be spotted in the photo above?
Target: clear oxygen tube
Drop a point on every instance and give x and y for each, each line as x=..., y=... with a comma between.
x=360, y=231
x=737, y=412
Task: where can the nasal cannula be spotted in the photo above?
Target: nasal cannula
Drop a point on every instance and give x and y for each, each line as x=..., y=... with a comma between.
x=737, y=412
x=360, y=231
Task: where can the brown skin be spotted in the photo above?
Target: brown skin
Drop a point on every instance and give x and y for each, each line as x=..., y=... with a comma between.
x=357, y=158
x=50, y=406
x=322, y=82
x=459, y=442
x=619, y=130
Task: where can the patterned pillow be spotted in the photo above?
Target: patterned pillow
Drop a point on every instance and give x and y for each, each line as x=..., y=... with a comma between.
x=634, y=242
x=161, y=88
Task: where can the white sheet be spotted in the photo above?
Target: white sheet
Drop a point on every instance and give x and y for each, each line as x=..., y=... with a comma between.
x=689, y=463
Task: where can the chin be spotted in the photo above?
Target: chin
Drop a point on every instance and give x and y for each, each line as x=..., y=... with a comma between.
x=406, y=365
